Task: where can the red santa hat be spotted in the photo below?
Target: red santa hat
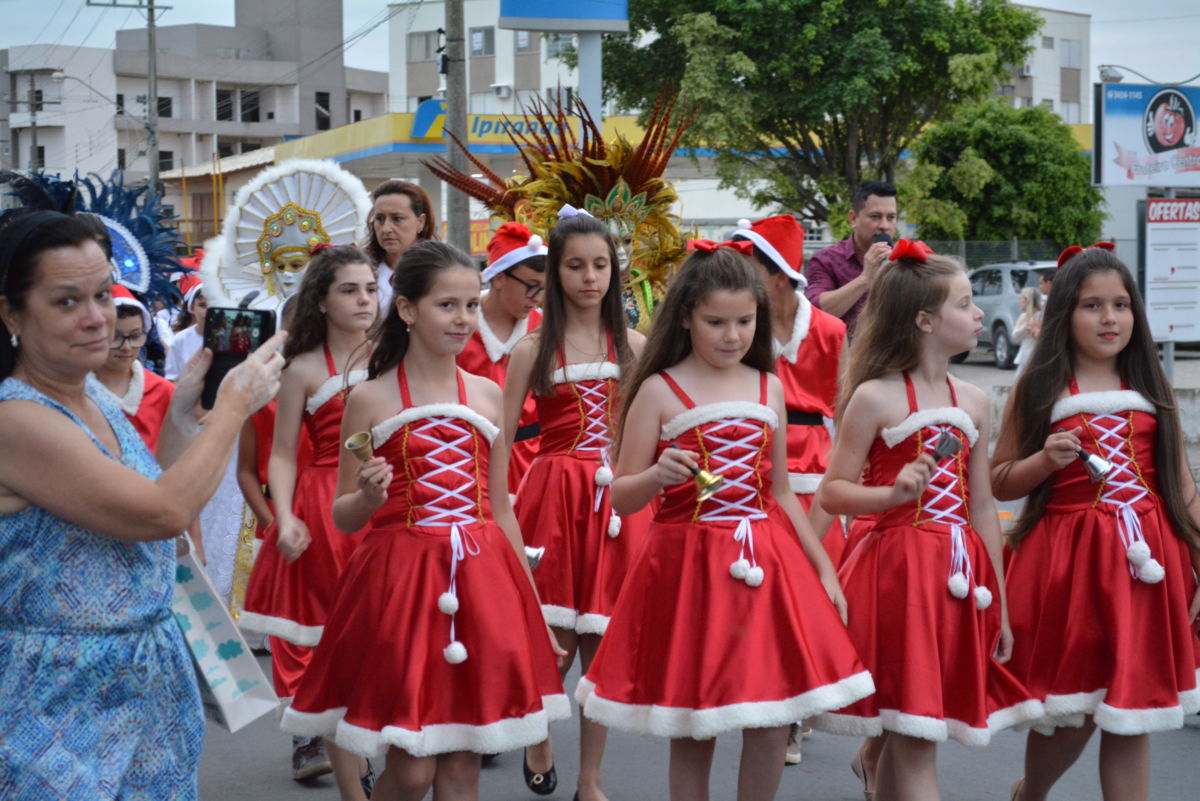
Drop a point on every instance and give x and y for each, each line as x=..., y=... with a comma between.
x=512, y=244
x=190, y=285
x=123, y=297
x=781, y=238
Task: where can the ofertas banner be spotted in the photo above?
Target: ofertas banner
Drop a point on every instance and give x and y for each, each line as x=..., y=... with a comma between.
x=1146, y=135
x=1172, y=259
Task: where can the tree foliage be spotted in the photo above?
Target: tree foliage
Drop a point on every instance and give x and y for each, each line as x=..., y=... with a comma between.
x=804, y=99
x=994, y=172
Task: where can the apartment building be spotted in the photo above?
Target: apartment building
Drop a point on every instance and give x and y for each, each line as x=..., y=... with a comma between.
x=1057, y=73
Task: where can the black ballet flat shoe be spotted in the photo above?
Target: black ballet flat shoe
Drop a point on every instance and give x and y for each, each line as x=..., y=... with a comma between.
x=540, y=783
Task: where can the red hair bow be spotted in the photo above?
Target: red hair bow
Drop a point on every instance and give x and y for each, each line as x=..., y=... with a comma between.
x=743, y=246
x=1072, y=251
x=913, y=249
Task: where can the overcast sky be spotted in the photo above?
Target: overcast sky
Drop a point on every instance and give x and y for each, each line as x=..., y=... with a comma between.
x=1160, y=38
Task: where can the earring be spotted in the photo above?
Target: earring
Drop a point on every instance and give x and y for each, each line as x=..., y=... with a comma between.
x=15, y=340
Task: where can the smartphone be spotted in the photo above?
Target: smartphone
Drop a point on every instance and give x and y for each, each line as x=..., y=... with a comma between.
x=232, y=335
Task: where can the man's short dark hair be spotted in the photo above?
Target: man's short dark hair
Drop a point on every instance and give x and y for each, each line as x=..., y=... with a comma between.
x=866, y=190
x=1047, y=276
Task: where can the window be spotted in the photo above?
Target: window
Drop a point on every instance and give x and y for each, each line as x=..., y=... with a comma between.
x=1070, y=112
x=526, y=42
x=990, y=282
x=224, y=149
x=36, y=105
x=1006, y=90
x=1048, y=103
x=1048, y=42
x=1072, y=54
x=422, y=46
x=1018, y=280
x=358, y=115
x=120, y=158
x=552, y=96
x=166, y=159
x=483, y=41
x=120, y=102
x=39, y=160
x=249, y=105
x=165, y=106
x=225, y=104
x=323, y=114
x=558, y=43
x=248, y=147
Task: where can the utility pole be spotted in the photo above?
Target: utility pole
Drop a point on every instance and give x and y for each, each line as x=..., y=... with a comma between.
x=33, y=110
x=458, y=210
x=149, y=9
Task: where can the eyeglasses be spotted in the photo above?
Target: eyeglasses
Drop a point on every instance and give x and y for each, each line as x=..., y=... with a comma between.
x=134, y=340
x=531, y=290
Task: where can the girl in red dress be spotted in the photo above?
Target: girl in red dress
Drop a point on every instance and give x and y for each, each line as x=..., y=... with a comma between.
x=1103, y=592
x=731, y=616
x=295, y=578
x=928, y=609
x=571, y=364
x=435, y=651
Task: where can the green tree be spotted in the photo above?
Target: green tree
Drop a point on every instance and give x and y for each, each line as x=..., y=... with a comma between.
x=804, y=99
x=994, y=172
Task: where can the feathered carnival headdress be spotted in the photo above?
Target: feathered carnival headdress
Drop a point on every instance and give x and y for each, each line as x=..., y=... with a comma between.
x=272, y=226
x=143, y=245
x=617, y=182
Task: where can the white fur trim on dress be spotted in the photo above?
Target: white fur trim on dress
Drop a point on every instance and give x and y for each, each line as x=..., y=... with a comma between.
x=560, y=617
x=700, y=724
x=440, y=738
x=497, y=350
x=382, y=432
x=1111, y=402
x=1069, y=711
x=332, y=386
x=790, y=349
x=946, y=415
x=804, y=483
x=591, y=624
x=711, y=412
x=937, y=730
x=131, y=401
x=281, y=627
x=585, y=371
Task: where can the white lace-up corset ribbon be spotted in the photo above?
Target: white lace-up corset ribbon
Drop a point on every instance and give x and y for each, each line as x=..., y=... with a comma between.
x=592, y=385
x=1109, y=433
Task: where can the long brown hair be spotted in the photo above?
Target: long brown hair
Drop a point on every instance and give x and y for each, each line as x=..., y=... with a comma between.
x=551, y=333
x=412, y=279
x=1048, y=374
x=308, y=328
x=417, y=198
x=669, y=342
x=887, y=339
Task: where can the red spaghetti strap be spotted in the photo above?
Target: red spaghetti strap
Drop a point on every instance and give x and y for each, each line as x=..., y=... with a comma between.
x=912, y=394
x=678, y=390
x=1074, y=386
x=953, y=396
x=462, y=387
x=762, y=388
x=329, y=360
x=612, y=351
x=402, y=379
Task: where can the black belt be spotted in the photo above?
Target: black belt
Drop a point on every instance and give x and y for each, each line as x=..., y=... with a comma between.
x=795, y=418
x=528, y=431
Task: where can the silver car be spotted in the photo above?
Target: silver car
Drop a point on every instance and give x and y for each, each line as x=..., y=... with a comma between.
x=997, y=289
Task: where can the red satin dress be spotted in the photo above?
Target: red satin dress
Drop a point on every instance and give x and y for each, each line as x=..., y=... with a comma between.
x=145, y=403
x=723, y=623
x=563, y=502
x=807, y=365
x=436, y=642
x=924, y=601
x=1099, y=589
x=485, y=355
x=291, y=600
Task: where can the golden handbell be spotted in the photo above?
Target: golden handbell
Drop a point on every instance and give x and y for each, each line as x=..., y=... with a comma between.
x=534, y=555
x=947, y=445
x=360, y=445
x=1095, y=465
x=707, y=483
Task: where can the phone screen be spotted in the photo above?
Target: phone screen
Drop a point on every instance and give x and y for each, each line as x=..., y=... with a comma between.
x=232, y=335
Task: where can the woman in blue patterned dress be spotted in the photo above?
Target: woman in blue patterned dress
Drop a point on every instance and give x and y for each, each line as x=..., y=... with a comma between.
x=97, y=693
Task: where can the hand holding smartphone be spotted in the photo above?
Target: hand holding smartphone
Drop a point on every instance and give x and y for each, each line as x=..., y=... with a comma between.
x=232, y=335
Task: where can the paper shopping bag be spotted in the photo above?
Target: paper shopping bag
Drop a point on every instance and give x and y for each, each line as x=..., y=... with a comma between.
x=232, y=685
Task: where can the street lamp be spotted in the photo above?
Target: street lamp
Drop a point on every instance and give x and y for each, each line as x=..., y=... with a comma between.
x=1111, y=73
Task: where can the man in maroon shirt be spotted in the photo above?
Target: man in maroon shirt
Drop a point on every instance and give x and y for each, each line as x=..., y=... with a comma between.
x=840, y=275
